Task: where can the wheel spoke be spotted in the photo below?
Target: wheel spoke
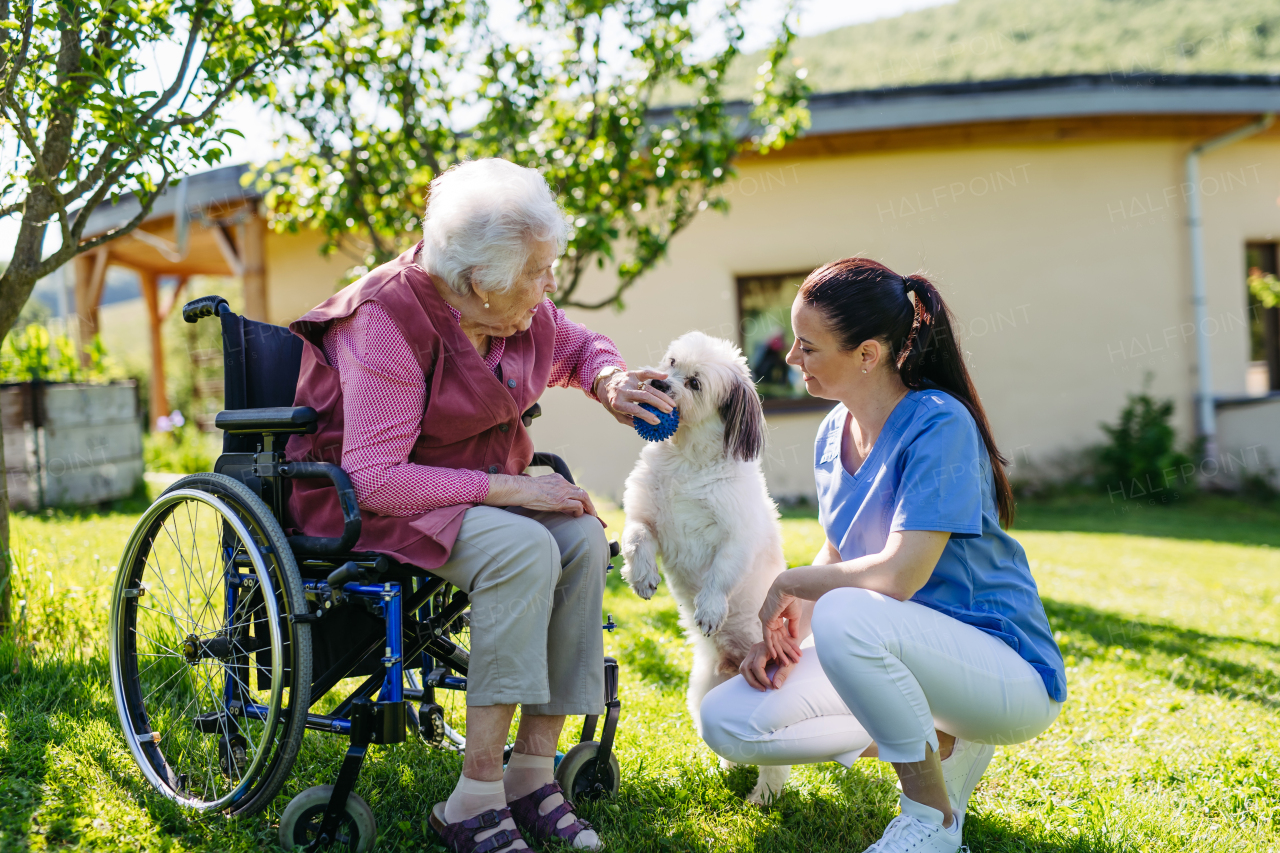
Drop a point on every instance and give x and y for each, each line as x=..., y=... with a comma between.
x=176, y=678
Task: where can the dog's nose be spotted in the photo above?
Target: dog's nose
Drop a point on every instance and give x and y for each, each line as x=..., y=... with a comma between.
x=659, y=385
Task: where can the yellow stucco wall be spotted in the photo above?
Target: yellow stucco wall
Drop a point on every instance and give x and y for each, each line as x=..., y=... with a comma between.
x=298, y=276
x=1069, y=278
x=1066, y=266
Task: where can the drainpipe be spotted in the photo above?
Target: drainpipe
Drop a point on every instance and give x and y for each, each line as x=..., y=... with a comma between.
x=1208, y=417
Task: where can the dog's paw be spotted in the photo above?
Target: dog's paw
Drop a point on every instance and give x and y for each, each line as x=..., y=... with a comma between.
x=710, y=615
x=642, y=582
x=769, y=785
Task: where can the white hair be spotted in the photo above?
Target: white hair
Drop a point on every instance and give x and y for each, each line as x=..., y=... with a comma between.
x=483, y=219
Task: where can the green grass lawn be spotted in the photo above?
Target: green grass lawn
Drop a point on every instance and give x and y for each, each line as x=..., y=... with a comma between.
x=1169, y=618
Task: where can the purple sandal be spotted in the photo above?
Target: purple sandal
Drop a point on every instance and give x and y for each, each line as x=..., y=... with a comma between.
x=461, y=837
x=542, y=827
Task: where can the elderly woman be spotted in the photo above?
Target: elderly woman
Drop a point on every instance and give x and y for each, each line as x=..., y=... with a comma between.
x=420, y=372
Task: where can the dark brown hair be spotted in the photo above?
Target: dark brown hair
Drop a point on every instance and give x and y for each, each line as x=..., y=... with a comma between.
x=863, y=300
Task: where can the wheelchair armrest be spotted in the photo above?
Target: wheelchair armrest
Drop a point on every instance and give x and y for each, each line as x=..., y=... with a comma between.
x=555, y=463
x=292, y=419
x=205, y=306
x=322, y=545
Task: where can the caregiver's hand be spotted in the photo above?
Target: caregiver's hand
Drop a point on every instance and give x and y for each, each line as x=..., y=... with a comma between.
x=780, y=618
x=549, y=493
x=755, y=669
x=622, y=394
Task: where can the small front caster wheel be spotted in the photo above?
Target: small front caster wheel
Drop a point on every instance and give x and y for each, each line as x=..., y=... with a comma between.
x=300, y=823
x=578, y=777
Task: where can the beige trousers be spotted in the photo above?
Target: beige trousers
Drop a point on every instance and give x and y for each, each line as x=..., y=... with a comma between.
x=536, y=583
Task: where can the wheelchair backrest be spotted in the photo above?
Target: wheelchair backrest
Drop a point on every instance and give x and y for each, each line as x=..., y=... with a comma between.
x=260, y=369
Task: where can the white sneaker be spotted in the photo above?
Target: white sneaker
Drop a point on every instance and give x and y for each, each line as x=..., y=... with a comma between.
x=919, y=829
x=962, y=770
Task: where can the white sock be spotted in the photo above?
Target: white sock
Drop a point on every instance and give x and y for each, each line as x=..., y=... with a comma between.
x=471, y=797
x=526, y=774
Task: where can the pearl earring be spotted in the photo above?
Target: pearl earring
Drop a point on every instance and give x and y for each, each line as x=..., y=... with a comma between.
x=864, y=370
x=486, y=305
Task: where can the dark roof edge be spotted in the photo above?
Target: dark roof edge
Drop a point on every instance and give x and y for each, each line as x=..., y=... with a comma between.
x=1067, y=81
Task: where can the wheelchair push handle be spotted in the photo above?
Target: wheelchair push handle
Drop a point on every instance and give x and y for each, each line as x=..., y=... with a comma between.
x=322, y=545
x=205, y=306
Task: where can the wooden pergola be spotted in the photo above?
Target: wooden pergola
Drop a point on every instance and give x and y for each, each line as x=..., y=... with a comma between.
x=208, y=225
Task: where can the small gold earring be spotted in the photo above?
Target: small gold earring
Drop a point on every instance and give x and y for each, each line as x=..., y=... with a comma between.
x=864, y=370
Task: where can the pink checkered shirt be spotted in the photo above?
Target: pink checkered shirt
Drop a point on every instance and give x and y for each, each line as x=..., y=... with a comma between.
x=383, y=392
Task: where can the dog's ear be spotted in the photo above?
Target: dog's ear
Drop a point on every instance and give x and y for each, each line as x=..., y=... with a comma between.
x=743, y=419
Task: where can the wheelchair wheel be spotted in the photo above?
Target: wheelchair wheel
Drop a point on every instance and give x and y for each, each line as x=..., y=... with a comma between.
x=211, y=676
x=578, y=777
x=300, y=823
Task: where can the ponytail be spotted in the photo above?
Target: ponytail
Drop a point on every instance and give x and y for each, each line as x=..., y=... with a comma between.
x=864, y=300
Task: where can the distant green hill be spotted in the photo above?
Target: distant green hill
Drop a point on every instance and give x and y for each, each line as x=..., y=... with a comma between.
x=995, y=39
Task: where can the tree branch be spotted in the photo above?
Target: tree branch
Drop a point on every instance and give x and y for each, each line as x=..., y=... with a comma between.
x=196, y=23
x=22, y=52
x=234, y=82
x=100, y=194
x=69, y=250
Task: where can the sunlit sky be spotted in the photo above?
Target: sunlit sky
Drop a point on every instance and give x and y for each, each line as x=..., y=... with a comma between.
x=763, y=16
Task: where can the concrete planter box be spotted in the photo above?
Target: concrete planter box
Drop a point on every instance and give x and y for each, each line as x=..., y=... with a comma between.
x=69, y=444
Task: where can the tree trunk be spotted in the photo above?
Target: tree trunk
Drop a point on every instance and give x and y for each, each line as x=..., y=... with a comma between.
x=6, y=573
x=15, y=290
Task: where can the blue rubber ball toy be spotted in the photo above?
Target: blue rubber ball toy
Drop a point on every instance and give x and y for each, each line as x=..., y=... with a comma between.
x=664, y=429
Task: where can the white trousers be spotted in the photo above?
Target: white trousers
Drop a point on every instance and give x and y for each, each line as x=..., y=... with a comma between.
x=878, y=670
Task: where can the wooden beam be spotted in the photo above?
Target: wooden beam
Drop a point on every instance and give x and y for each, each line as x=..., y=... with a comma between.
x=90, y=277
x=173, y=300
x=1000, y=133
x=221, y=236
x=158, y=400
x=253, y=258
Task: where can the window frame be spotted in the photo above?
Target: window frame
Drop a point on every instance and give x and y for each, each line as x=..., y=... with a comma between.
x=776, y=405
x=1270, y=316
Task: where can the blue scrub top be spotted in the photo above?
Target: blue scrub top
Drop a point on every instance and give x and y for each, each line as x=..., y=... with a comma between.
x=929, y=470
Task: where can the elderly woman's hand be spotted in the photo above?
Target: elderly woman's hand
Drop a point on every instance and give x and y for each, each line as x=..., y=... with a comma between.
x=622, y=393
x=549, y=493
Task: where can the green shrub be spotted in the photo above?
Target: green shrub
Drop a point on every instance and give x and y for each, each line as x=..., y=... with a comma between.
x=183, y=450
x=1141, y=459
x=32, y=354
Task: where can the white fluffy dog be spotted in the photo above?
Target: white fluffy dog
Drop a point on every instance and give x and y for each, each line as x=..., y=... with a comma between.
x=699, y=499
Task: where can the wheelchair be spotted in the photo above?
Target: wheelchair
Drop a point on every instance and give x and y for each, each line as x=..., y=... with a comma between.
x=228, y=637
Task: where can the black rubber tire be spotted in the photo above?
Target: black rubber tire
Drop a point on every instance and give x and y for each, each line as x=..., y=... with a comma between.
x=301, y=819
x=258, y=518
x=577, y=767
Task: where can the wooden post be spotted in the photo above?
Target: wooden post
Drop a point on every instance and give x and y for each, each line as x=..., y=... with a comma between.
x=158, y=404
x=253, y=257
x=91, y=275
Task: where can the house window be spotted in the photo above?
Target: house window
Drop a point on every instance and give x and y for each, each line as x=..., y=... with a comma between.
x=1264, y=324
x=764, y=308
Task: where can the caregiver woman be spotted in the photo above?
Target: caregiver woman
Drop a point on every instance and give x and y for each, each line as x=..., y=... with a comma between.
x=420, y=372
x=918, y=635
